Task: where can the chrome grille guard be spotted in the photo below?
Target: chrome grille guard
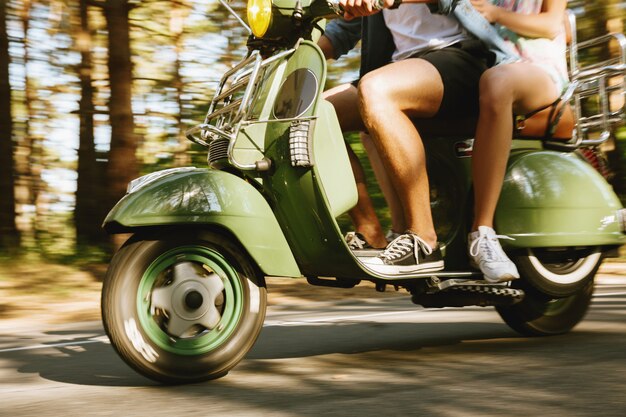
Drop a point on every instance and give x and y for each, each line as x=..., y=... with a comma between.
x=228, y=112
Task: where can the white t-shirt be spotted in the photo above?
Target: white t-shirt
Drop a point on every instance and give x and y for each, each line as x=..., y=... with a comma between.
x=415, y=29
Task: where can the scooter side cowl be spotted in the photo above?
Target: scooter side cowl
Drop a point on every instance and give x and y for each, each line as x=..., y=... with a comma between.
x=205, y=199
x=552, y=199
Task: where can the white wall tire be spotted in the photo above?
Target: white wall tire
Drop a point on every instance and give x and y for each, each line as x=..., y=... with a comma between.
x=143, y=335
x=559, y=272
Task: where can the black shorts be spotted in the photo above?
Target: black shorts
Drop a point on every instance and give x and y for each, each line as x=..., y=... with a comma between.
x=460, y=66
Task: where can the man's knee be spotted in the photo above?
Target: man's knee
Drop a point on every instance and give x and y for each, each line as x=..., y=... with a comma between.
x=372, y=93
x=413, y=86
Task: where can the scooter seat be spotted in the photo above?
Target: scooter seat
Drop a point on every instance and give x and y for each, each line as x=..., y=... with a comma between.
x=538, y=126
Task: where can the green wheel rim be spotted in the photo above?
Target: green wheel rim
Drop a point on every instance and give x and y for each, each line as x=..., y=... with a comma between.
x=233, y=301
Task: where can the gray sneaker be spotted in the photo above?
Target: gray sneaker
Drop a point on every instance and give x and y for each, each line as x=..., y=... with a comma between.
x=487, y=255
x=391, y=235
x=407, y=254
x=359, y=246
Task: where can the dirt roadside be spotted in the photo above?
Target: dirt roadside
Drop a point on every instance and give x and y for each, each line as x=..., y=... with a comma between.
x=51, y=293
x=41, y=293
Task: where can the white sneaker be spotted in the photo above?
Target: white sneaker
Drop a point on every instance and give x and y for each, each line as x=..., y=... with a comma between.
x=487, y=255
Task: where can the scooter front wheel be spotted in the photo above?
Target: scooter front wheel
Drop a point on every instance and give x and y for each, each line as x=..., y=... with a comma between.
x=182, y=309
x=541, y=315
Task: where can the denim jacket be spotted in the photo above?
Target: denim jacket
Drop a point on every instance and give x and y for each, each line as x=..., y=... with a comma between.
x=377, y=44
x=477, y=25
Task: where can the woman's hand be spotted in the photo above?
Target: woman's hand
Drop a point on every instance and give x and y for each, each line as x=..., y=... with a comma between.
x=488, y=10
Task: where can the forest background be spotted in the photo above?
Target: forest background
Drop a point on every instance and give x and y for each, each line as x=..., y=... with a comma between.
x=94, y=93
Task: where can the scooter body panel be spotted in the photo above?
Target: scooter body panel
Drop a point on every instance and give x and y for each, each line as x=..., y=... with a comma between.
x=553, y=199
x=306, y=200
x=201, y=198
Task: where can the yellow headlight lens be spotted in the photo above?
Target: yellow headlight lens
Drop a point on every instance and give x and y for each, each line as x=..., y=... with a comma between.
x=259, y=16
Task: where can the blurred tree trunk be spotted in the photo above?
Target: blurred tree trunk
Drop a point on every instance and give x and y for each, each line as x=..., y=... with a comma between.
x=28, y=165
x=23, y=144
x=122, y=166
x=177, y=22
x=88, y=214
x=9, y=236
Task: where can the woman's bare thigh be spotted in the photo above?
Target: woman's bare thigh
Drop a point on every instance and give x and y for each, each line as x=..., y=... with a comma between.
x=530, y=85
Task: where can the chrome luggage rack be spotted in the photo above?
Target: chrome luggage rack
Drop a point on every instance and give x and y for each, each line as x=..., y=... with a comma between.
x=231, y=109
x=595, y=85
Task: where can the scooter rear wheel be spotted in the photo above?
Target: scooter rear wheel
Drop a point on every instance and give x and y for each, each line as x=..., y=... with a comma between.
x=559, y=272
x=541, y=315
x=182, y=309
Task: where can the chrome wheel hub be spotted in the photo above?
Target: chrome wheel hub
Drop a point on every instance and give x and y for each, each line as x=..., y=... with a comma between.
x=190, y=299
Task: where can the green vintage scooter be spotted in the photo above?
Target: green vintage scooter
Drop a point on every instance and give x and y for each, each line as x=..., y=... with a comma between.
x=185, y=298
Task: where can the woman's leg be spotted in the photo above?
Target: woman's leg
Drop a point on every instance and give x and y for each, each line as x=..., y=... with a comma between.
x=506, y=89
x=515, y=88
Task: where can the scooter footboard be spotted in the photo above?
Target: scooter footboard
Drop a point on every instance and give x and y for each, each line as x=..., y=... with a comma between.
x=201, y=198
x=552, y=199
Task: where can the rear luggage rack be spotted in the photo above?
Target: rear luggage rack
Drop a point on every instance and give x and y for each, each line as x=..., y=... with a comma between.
x=600, y=91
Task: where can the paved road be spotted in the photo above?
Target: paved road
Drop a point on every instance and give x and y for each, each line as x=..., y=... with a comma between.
x=374, y=357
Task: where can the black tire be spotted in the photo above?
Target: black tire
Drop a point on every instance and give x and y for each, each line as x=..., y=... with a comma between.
x=540, y=315
x=559, y=272
x=141, y=336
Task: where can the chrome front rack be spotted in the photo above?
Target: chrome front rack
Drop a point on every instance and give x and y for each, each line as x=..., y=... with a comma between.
x=231, y=109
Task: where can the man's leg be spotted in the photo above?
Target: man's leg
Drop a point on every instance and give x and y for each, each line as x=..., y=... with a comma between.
x=398, y=225
x=389, y=97
x=345, y=98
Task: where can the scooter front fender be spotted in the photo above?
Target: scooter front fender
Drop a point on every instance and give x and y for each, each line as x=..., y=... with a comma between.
x=552, y=199
x=203, y=198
